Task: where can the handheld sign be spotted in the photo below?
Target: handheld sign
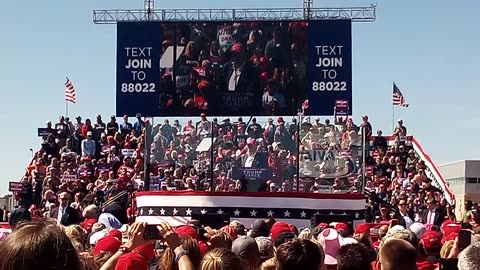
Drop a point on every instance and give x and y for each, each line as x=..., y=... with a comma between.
x=15, y=186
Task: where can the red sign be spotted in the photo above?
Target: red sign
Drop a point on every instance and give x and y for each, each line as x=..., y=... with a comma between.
x=15, y=186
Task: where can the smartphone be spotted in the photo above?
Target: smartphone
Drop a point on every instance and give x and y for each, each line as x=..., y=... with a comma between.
x=152, y=233
x=201, y=233
x=464, y=239
x=394, y=222
x=448, y=264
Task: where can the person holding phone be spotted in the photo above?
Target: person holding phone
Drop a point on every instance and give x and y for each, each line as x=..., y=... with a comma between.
x=138, y=252
x=462, y=256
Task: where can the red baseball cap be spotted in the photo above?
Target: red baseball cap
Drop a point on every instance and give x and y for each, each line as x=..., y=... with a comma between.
x=108, y=243
x=278, y=228
x=186, y=230
x=451, y=228
x=323, y=225
x=230, y=230
x=139, y=259
x=432, y=240
x=363, y=228
x=342, y=226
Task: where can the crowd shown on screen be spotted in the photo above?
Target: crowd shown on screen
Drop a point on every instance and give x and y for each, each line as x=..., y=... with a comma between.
x=263, y=62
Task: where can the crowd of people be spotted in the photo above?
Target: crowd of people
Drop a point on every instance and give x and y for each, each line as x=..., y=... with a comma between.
x=232, y=68
x=77, y=192
x=269, y=244
x=94, y=162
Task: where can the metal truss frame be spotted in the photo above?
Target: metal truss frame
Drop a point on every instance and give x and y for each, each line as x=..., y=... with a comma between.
x=356, y=14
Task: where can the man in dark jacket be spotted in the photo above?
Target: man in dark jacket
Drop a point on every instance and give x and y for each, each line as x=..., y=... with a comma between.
x=64, y=214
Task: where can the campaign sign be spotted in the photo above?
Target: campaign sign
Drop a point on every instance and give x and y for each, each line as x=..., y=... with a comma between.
x=138, y=68
x=330, y=65
x=69, y=177
x=252, y=174
x=44, y=132
x=341, y=107
x=84, y=172
x=128, y=152
x=104, y=167
x=15, y=186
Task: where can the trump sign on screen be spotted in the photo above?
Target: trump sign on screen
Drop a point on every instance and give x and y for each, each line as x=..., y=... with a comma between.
x=232, y=68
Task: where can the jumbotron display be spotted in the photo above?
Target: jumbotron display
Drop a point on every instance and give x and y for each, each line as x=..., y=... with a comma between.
x=233, y=68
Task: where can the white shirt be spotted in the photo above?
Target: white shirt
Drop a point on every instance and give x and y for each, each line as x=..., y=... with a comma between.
x=431, y=217
x=249, y=161
x=233, y=81
x=61, y=212
x=408, y=221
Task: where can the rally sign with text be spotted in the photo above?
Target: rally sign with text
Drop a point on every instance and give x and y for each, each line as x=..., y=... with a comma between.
x=330, y=66
x=138, y=68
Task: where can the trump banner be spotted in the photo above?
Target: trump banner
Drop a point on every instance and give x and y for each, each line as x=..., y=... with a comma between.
x=252, y=174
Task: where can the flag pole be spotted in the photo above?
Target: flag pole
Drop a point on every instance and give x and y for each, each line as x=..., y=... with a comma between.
x=393, y=110
x=66, y=102
x=393, y=116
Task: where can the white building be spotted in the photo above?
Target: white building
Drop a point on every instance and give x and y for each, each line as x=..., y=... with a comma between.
x=463, y=178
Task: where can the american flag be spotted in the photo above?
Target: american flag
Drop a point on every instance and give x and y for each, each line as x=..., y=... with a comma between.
x=177, y=207
x=398, y=99
x=70, y=95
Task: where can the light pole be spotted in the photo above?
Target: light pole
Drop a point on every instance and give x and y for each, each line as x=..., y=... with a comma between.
x=31, y=150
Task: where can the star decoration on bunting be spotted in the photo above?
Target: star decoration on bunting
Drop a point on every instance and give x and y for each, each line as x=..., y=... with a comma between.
x=220, y=211
x=162, y=212
x=253, y=213
x=150, y=211
x=141, y=212
x=270, y=213
x=286, y=213
x=188, y=212
x=357, y=215
x=175, y=211
x=203, y=211
x=317, y=213
x=303, y=214
x=344, y=214
x=332, y=214
x=236, y=213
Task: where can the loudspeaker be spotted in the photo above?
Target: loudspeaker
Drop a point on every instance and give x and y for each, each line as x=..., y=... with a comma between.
x=212, y=220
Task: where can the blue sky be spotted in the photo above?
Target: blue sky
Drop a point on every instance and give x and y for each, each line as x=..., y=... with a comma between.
x=429, y=48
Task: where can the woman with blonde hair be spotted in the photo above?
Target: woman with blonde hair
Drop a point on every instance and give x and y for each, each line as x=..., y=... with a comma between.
x=222, y=259
x=305, y=234
x=74, y=233
x=38, y=245
x=167, y=260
